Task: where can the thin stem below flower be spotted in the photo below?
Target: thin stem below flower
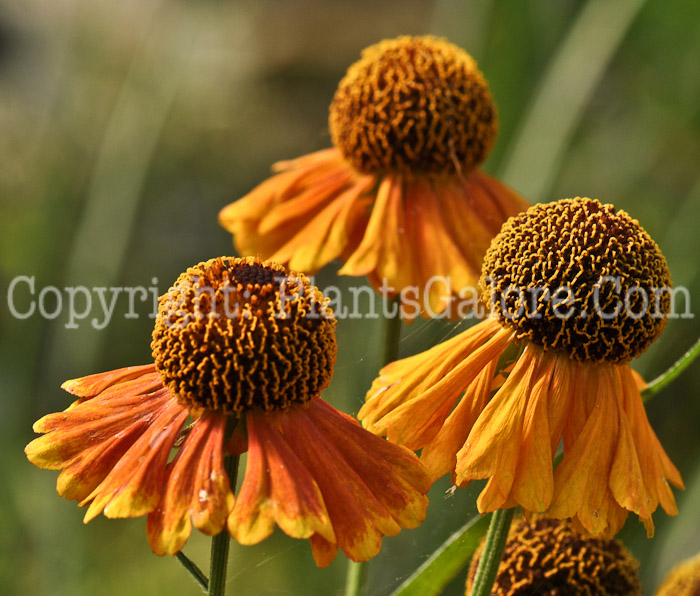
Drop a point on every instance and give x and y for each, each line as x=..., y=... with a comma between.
x=664, y=379
x=220, y=542
x=193, y=570
x=493, y=552
x=391, y=334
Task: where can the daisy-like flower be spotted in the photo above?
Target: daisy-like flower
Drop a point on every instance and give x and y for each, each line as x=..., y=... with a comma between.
x=576, y=290
x=243, y=349
x=549, y=557
x=399, y=197
x=683, y=580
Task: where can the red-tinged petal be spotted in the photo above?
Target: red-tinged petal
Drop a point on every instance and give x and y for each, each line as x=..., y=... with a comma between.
x=358, y=518
x=471, y=220
x=324, y=552
x=85, y=471
x=93, y=422
x=136, y=484
x=198, y=488
x=440, y=455
x=393, y=474
x=444, y=257
x=277, y=488
x=499, y=202
x=93, y=384
x=238, y=443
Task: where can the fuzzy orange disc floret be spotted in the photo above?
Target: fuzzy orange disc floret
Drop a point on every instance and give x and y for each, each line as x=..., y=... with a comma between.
x=579, y=277
x=237, y=334
x=413, y=105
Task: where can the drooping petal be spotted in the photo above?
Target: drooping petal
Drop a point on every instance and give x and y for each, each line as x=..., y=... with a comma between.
x=510, y=441
x=393, y=473
x=305, y=216
x=91, y=423
x=381, y=244
x=136, y=484
x=418, y=420
x=359, y=518
x=430, y=382
x=277, y=488
x=197, y=491
x=656, y=467
x=440, y=455
x=626, y=481
x=581, y=480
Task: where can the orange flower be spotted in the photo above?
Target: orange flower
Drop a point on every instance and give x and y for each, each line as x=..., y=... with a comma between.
x=567, y=283
x=399, y=197
x=243, y=348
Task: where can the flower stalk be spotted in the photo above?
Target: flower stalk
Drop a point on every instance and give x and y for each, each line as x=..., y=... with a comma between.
x=667, y=377
x=391, y=334
x=220, y=542
x=493, y=552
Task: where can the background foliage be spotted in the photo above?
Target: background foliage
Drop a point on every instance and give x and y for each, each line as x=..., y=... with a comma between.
x=128, y=125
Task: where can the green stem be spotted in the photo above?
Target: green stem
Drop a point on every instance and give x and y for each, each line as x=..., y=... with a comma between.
x=662, y=380
x=193, y=570
x=356, y=578
x=493, y=552
x=220, y=542
x=391, y=334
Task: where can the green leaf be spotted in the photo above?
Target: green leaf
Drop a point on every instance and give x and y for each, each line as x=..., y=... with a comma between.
x=447, y=561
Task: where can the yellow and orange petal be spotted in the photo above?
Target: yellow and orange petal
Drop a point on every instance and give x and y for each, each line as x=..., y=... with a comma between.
x=317, y=474
x=197, y=490
x=508, y=431
x=113, y=449
x=399, y=198
x=312, y=471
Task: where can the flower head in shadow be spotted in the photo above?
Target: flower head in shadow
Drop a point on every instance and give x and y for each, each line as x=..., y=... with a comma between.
x=549, y=557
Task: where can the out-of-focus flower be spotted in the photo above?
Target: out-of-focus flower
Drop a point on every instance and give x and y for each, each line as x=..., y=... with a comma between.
x=683, y=580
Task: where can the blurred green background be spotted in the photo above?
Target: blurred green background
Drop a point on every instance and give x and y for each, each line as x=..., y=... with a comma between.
x=128, y=125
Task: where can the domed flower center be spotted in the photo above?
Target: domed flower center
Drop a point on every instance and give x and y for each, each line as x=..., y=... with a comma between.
x=238, y=334
x=577, y=276
x=547, y=556
x=413, y=105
